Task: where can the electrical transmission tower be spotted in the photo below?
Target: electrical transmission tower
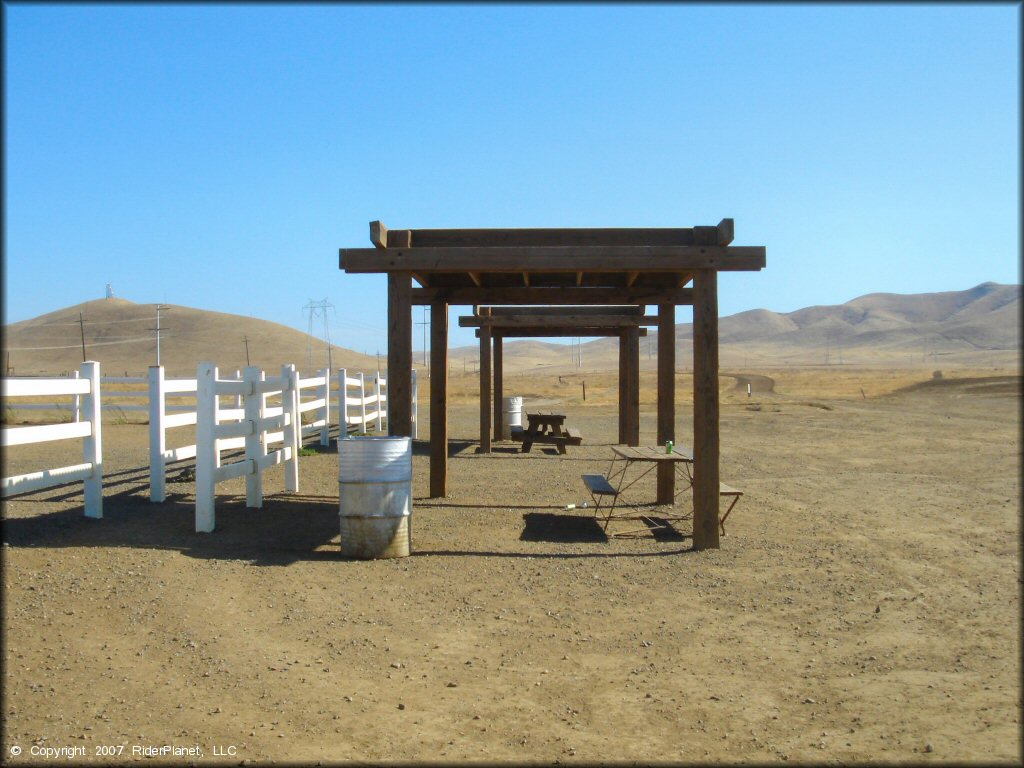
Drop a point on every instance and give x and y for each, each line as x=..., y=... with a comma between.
x=317, y=309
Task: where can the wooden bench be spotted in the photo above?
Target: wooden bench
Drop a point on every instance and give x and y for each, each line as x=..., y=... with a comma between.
x=724, y=491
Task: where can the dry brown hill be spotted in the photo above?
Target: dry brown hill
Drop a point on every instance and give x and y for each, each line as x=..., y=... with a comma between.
x=119, y=334
x=976, y=327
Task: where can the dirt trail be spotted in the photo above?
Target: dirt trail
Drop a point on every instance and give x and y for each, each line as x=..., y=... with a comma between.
x=758, y=384
x=864, y=606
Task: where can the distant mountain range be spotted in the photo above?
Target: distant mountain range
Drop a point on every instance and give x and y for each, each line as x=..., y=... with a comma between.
x=976, y=327
x=980, y=326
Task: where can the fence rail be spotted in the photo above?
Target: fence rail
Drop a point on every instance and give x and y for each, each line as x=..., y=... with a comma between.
x=88, y=427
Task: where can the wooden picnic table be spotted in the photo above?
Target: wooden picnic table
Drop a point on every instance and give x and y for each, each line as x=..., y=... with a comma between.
x=549, y=428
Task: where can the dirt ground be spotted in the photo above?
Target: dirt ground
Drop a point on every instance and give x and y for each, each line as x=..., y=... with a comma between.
x=864, y=605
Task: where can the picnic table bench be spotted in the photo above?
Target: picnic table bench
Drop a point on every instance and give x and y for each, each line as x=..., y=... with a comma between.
x=548, y=428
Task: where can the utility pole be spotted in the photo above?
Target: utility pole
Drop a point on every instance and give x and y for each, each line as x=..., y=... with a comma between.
x=81, y=327
x=246, y=340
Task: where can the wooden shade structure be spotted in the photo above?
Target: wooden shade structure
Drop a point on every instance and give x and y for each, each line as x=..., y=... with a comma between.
x=497, y=323
x=550, y=267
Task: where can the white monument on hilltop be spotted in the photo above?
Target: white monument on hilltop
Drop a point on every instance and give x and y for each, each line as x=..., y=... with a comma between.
x=110, y=291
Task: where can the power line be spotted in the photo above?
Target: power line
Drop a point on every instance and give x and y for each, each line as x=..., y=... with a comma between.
x=317, y=309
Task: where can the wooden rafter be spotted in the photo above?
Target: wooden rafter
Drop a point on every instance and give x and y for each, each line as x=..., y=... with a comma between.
x=550, y=259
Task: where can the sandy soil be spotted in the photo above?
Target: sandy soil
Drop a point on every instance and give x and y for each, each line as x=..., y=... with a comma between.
x=864, y=606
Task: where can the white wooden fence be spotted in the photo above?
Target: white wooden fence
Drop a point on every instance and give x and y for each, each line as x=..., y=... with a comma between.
x=229, y=425
x=90, y=471
x=215, y=426
x=160, y=422
x=357, y=410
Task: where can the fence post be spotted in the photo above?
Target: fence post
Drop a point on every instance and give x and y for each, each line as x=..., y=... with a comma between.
x=342, y=404
x=238, y=398
x=325, y=430
x=76, y=402
x=92, y=445
x=207, y=459
x=292, y=427
x=157, y=434
x=362, y=403
x=254, y=406
x=380, y=407
x=415, y=406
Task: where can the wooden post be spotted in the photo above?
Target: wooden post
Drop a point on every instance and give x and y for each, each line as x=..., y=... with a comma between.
x=92, y=444
x=362, y=402
x=342, y=404
x=157, y=434
x=705, y=409
x=254, y=406
x=438, y=399
x=666, y=396
x=498, y=416
x=325, y=411
x=485, y=389
x=293, y=429
x=379, y=396
x=632, y=339
x=623, y=396
x=206, y=446
x=400, y=354
x=76, y=401
x=416, y=404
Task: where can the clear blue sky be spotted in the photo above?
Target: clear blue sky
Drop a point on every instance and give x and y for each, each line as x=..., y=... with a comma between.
x=217, y=157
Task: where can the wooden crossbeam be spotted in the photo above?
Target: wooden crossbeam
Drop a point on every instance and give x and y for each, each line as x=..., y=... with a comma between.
x=545, y=259
x=553, y=296
x=626, y=309
x=528, y=332
x=624, y=236
x=557, y=321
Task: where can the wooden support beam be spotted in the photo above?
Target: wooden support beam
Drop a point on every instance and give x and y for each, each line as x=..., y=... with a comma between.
x=632, y=338
x=557, y=321
x=625, y=309
x=399, y=354
x=422, y=279
x=438, y=399
x=498, y=414
x=579, y=279
x=617, y=237
x=553, y=296
x=528, y=332
x=526, y=279
x=726, y=229
x=475, y=277
x=398, y=238
x=705, y=411
x=623, y=394
x=485, y=390
x=666, y=396
x=378, y=234
x=665, y=258
x=631, y=277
